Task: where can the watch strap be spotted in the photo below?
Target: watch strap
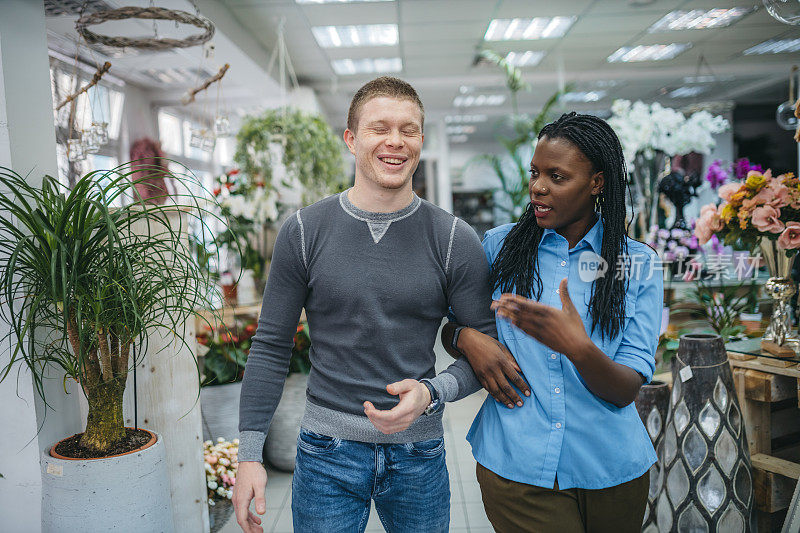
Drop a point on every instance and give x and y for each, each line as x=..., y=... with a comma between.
x=456, y=334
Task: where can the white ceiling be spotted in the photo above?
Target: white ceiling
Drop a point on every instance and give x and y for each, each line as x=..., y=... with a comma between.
x=438, y=44
x=439, y=39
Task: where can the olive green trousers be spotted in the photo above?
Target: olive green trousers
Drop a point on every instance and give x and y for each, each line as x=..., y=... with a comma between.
x=514, y=507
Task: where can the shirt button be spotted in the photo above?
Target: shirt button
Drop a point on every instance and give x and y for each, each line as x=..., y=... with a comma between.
x=558, y=390
x=558, y=425
x=557, y=291
x=563, y=263
x=553, y=356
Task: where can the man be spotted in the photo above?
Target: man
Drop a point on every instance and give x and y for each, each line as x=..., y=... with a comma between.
x=376, y=269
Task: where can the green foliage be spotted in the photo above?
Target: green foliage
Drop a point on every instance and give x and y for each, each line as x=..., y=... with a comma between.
x=82, y=281
x=312, y=152
x=721, y=306
x=300, y=361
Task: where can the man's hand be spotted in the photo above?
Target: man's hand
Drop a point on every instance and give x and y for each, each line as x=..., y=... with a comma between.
x=561, y=330
x=414, y=399
x=251, y=482
x=494, y=367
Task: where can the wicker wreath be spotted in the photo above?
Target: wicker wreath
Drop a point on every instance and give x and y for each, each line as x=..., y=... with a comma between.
x=149, y=13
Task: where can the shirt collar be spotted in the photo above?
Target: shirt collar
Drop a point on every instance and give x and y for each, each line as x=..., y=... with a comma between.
x=593, y=237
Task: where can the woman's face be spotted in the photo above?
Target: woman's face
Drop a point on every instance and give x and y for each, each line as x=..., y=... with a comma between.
x=563, y=185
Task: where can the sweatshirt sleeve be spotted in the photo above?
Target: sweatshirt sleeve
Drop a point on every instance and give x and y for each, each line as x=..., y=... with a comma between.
x=271, y=348
x=470, y=298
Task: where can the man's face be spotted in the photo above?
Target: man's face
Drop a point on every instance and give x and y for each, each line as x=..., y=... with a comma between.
x=387, y=142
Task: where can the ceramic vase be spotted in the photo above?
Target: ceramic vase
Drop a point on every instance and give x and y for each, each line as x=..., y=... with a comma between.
x=652, y=403
x=707, y=482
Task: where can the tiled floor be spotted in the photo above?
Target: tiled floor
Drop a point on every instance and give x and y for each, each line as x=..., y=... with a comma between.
x=466, y=509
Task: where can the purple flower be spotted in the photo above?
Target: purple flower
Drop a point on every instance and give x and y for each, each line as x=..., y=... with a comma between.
x=663, y=233
x=693, y=244
x=716, y=245
x=681, y=251
x=742, y=166
x=717, y=175
x=677, y=233
x=669, y=257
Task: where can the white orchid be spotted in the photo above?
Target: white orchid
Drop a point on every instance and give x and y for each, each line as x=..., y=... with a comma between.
x=647, y=128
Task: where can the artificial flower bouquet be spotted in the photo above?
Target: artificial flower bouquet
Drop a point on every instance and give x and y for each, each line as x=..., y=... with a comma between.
x=221, y=462
x=762, y=205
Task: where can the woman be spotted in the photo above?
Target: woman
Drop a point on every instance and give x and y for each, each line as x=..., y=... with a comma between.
x=578, y=304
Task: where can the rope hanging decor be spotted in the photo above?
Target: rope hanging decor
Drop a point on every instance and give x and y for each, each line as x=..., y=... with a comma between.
x=96, y=78
x=148, y=13
x=188, y=98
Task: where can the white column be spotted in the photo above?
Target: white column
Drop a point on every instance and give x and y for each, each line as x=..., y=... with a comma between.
x=444, y=183
x=27, y=144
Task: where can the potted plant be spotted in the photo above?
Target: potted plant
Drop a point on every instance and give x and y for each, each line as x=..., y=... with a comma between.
x=85, y=277
x=221, y=461
x=224, y=353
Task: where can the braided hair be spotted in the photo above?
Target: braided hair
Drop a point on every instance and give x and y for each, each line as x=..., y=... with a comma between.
x=516, y=268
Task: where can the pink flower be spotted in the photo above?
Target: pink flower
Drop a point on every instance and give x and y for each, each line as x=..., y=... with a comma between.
x=767, y=218
x=780, y=194
x=790, y=238
x=702, y=230
x=728, y=190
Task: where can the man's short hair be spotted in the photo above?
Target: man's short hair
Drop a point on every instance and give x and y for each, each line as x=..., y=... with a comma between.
x=383, y=86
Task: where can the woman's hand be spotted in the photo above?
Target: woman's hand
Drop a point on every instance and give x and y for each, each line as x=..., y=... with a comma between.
x=561, y=330
x=494, y=367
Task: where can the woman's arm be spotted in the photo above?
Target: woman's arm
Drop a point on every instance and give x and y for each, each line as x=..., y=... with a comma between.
x=563, y=331
x=493, y=364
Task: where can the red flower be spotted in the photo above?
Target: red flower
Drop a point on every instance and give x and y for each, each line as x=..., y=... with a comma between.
x=300, y=328
x=217, y=190
x=229, y=185
x=232, y=172
x=250, y=328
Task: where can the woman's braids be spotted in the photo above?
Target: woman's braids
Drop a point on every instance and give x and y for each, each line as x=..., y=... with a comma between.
x=516, y=269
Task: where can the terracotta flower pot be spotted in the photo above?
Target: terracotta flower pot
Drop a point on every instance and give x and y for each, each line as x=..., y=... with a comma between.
x=707, y=476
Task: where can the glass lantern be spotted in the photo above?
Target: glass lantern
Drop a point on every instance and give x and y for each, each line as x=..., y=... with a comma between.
x=196, y=138
x=89, y=141
x=222, y=126
x=100, y=130
x=75, y=150
x=209, y=141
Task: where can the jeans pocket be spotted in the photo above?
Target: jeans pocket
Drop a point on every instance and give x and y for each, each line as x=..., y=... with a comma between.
x=426, y=448
x=315, y=443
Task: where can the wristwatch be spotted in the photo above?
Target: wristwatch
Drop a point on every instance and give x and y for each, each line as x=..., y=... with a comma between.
x=454, y=342
x=436, y=402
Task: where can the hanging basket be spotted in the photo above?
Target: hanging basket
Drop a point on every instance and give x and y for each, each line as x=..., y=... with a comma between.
x=146, y=13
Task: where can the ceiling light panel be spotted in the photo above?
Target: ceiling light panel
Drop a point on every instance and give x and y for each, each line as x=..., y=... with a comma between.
x=698, y=19
x=351, y=36
x=461, y=129
x=465, y=119
x=653, y=52
x=583, y=96
x=774, y=46
x=459, y=138
x=528, y=29
x=525, y=59
x=349, y=67
x=477, y=100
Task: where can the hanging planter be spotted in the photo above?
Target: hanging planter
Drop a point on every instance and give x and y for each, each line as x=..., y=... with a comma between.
x=707, y=482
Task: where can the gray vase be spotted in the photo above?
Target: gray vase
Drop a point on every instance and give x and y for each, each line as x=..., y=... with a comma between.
x=280, y=448
x=219, y=405
x=707, y=482
x=652, y=404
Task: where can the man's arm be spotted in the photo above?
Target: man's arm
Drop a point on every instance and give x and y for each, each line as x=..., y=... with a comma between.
x=267, y=366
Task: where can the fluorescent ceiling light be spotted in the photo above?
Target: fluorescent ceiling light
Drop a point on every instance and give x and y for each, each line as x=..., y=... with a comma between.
x=583, y=96
x=478, y=100
x=528, y=29
x=350, y=36
x=465, y=119
x=707, y=78
x=337, y=1
x=687, y=91
x=774, y=46
x=653, y=52
x=461, y=129
x=348, y=67
x=459, y=138
x=525, y=59
x=698, y=19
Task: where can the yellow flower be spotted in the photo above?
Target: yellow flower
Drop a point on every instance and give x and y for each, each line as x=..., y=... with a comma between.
x=739, y=196
x=728, y=212
x=755, y=181
x=742, y=221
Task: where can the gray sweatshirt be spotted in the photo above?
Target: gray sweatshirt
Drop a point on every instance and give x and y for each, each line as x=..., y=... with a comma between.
x=375, y=287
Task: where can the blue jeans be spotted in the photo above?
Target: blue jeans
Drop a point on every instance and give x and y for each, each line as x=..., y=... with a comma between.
x=335, y=480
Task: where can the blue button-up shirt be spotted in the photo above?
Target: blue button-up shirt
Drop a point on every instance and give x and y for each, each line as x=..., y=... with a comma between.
x=563, y=430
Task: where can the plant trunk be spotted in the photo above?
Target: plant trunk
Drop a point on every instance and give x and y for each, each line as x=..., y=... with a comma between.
x=105, y=424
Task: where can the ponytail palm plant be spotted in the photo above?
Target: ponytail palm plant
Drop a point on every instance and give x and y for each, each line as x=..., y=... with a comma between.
x=87, y=274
